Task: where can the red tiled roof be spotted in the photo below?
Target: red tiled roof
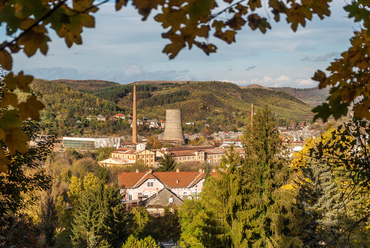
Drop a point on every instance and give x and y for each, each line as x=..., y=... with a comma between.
x=170, y=179
x=179, y=179
x=129, y=179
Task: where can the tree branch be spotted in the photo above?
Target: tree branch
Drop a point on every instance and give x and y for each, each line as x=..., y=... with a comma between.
x=48, y=14
x=225, y=9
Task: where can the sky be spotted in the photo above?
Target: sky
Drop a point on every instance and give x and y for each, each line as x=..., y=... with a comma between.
x=124, y=49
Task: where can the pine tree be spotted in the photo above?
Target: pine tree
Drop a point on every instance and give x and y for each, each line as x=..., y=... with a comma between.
x=246, y=205
x=269, y=217
x=99, y=220
x=167, y=163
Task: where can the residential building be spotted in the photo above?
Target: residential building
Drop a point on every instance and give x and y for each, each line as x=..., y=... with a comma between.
x=148, y=157
x=138, y=186
x=101, y=118
x=116, y=162
x=201, y=154
x=118, y=116
x=157, y=203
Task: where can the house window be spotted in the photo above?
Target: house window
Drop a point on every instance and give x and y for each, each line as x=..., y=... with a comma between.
x=154, y=193
x=146, y=194
x=149, y=184
x=185, y=193
x=130, y=197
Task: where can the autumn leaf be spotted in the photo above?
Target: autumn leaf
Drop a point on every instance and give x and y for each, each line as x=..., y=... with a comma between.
x=16, y=140
x=9, y=98
x=6, y=60
x=10, y=119
x=21, y=81
x=3, y=162
x=31, y=108
x=120, y=3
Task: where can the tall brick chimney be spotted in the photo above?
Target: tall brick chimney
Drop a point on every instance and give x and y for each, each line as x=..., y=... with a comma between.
x=134, y=118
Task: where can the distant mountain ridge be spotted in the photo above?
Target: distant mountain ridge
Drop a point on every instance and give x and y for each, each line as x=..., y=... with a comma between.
x=313, y=96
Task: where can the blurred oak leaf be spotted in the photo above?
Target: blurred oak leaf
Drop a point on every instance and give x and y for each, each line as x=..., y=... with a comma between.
x=31, y=108
x=6, y=60
x=9, y=98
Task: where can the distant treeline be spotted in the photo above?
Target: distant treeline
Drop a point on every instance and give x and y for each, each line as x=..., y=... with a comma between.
x=177, y=96
x=114, y=94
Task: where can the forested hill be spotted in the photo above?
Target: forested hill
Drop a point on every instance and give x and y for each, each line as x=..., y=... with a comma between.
x=200, y=100
x=61, y=101
x=86, y=85
x=223, y=106
x=313, y=96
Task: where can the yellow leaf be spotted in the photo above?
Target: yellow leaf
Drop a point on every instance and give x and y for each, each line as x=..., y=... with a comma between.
x=228, y=35
x=31, y=108
x=9, y=98
x=16, y=140
x=11, y=81
x=82, y=5
x=6, y=60
x=24, y=81
x=2, y=135
x=21, y=81
x=10, y=119
x=34, y=40
x=26, y=23
x=3, y=162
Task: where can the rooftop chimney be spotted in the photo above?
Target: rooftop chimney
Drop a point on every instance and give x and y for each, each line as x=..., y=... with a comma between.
x=177, y=170
x=137, y=170
x=134, y=118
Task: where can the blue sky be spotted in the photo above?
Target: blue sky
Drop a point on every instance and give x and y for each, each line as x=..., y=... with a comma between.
x=124, y=49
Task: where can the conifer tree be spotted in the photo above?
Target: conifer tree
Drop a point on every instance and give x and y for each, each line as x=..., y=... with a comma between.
x=167, y=163
x=99, y=220
x=270, y=217
x=246, y=205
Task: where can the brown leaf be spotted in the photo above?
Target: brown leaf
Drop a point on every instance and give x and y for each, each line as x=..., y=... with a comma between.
x=6, y=60
x=31, y=108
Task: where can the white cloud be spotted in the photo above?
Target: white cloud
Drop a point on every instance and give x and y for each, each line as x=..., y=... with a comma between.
x=134, y=70
x=283, y=78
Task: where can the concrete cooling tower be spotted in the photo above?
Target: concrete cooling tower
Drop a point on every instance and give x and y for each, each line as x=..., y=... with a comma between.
x=173, y=128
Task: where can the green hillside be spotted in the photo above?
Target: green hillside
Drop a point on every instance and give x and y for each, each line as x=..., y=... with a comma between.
x=66, y=110
x=86, y=85
x=205, y=99
x=221, y=105
x=313, y=96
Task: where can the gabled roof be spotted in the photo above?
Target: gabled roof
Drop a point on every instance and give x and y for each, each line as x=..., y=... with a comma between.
x=118, y=161
x=162, y=199
x=129, y=179
x=179, y=179
x=184, y=179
